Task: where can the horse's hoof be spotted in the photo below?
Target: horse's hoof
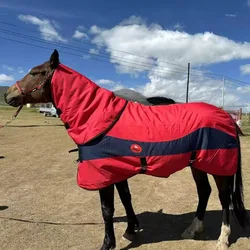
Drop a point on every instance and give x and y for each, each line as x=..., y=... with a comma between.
x=221, y=246
x=192, y=230
x=110, y=247
x=129, y=236
x=137, y=227
x=188, y=235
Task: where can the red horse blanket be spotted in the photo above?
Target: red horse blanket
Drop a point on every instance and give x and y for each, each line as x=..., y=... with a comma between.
x=119, y=139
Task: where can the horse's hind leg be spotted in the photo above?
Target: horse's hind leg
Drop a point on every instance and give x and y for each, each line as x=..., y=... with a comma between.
x=107, y=204
x=223, y=185
x=204, y=190
x=125, y=196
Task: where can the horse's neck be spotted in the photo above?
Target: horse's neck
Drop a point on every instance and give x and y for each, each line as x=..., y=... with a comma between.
x=83, y=105
x=74, y=94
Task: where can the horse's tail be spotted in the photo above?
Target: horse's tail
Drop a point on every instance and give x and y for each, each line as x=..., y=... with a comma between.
x=236, y=193
x=239, y=131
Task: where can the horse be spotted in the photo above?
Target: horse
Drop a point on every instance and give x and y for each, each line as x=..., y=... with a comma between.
x=118, y=139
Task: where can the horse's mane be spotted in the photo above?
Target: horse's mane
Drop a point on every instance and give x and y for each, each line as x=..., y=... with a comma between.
x=157, y=100
x=135, y=96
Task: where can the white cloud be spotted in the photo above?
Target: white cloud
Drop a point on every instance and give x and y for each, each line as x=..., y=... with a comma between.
x=80, y=35
x=200, y=89
x=157, y=45
x=6, y=67
x=174, y=46
x=5, y=78
x=94, y=51
x=81, y=28
x=105, y=82
x=47, y=28
x=178, y=26
x=117, y=87
x=245, y=69
x=244, y=89
x=86, y=57
x=56, y=25
x=95, y=30
x=248, y=2
x=133, y=20
x=109, y=84
x=231, y=15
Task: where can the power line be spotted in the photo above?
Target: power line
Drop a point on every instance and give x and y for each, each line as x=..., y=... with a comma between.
x=92, y=58
x=125, y=52
x=201, y=71
x=173, y=69
x=237, y=106
x=74, y=54
x=142, y=64
x=174, y=72
x=132, y=63
x=235, y=83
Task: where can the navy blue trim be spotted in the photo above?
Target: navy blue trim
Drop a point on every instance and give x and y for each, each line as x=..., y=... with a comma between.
x=203, y=138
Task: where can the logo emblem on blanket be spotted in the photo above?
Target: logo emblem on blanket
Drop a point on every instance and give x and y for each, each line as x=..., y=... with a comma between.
x=136, y=148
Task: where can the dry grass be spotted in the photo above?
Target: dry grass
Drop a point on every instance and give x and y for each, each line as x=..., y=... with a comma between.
x=38, y=185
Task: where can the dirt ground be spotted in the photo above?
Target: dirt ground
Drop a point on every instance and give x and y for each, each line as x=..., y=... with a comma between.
x=41, y=206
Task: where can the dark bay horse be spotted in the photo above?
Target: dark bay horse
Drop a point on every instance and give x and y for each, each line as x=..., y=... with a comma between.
x=36, y=87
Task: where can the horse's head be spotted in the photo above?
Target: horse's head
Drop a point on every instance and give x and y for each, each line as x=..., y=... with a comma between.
x=35, y=86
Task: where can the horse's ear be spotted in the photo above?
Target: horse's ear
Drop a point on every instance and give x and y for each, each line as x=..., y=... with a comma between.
x=54, y=59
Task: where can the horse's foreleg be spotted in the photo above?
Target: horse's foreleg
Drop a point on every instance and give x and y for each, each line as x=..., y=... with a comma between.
x=107, y=204
x=204, y=190
x=125, y=196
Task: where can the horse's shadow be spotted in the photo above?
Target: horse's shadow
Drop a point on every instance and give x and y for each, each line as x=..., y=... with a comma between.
x=3, y=207
x=158, y=227
x=35, y=126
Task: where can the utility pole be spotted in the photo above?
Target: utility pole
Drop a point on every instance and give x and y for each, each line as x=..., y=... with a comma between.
x=223, y=92
x=188, y=82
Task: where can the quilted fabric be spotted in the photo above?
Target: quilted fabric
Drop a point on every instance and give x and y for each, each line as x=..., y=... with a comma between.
x=119, y=139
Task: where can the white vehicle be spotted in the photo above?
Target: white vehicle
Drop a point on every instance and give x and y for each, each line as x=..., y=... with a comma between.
x=48, y=111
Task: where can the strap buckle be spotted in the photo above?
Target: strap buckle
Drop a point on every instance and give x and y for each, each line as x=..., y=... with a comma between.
x=192, y=158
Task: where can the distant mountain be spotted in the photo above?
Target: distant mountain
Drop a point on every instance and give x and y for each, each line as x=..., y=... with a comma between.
x=3, y=89
x=131, y=95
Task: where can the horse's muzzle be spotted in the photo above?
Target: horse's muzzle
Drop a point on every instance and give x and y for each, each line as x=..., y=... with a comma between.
x=13, y=101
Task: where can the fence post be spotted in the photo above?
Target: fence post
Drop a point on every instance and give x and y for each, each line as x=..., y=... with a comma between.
x=223, y=92
x=188, y=82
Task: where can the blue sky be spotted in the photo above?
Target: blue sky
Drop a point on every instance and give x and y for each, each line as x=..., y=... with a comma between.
x=211, y=35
